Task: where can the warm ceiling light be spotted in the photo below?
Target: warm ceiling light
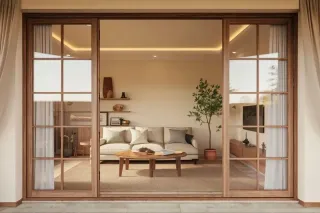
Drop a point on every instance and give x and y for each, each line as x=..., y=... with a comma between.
x=234, y=52
x=158, y=49
x=154, y=56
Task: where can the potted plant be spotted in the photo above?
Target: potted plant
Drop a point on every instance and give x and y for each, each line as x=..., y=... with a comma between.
x=208, y=103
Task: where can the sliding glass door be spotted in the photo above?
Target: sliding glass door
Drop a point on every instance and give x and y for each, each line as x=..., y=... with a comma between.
x=62, y=108
x=70, y=115
x=258, y=108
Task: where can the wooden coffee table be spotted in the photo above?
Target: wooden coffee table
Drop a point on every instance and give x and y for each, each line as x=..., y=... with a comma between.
x=125, y=156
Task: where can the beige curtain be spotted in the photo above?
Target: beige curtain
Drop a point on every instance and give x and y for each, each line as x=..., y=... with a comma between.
x=7, y=14
x=276, y=114
x=309, y=59
x=43, y=112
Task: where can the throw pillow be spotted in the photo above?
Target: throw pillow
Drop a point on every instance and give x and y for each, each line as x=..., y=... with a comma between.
x=114, y=136
x=177, y=136
x=189, y=138
x=102, y=141
x=139, y=137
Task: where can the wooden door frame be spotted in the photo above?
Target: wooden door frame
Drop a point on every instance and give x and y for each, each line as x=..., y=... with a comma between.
x=28, y=109
x=291, y=97
x=53, y=18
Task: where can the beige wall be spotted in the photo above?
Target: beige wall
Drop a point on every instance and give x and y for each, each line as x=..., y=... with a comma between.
x=161, y=91
x=138, y=5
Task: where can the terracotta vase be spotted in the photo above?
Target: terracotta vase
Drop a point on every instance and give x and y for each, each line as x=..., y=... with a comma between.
x=107, y=87
x=210, y=154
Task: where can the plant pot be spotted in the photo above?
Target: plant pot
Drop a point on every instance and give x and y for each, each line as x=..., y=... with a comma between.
x=210, y=154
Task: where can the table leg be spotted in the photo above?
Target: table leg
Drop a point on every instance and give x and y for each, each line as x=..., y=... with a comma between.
x=127, y=163
x=150, y=168
x=121, y=161
x=154, y=164
x=178, y=166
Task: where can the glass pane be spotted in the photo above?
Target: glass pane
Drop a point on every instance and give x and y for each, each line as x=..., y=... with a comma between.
x=77, y=41
x=242, y=143
x=77, y=142
x=273, y=76
x=242, y=109
x=77, y=76
x=243, y=41
x=274, y=142
x=47, y=41
x=243, y=175
x=47, y=142
x=273, y=175
x=272, y=41
x=47, y=76
x=275, y=110
x=77, y=110
x=47, y=174
x=242, y=76
x=46, y=109
x=77, y=175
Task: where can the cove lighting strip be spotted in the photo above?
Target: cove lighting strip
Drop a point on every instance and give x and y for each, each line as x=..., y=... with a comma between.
x=151, y=49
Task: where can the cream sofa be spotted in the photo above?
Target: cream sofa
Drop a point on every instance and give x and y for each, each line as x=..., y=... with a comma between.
x=158, y=138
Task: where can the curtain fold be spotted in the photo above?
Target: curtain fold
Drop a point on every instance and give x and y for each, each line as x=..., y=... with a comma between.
x=309, y=59
x=7, y=14
x=43, y=112
x=276, y=114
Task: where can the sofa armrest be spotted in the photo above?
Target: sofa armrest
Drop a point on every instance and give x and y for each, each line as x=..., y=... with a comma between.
x=194, y=143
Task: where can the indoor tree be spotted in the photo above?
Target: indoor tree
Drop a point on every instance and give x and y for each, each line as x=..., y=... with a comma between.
x=208, y=103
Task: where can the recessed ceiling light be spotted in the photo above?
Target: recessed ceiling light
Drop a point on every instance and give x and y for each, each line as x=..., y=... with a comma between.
x=68, y=55
x=234, y=52
x=154, y=56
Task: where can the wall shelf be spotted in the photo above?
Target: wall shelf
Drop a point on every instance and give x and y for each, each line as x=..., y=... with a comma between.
x=114, y=99
x=117, y=111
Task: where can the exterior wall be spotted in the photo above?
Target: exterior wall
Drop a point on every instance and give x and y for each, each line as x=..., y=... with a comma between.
x=11, y=126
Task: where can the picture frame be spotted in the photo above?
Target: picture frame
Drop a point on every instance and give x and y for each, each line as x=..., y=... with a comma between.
x=104, y=117
x=115, y=121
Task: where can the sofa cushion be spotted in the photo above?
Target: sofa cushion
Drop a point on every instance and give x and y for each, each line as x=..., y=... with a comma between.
x=138, y=137
x=184, y=147
x=113, y=148
x=167, y=132
x=153, y=146
x=155, y=134
x=125, y=132
x=177, y=136
x=113, y=136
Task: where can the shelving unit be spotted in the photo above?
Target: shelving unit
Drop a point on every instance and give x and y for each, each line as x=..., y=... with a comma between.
x=117, y=111
x=114, y=99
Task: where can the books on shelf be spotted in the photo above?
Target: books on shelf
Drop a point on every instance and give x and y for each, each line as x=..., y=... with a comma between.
x=167, y=152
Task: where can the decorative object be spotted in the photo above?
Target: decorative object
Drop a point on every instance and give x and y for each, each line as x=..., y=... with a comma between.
x=246, y=141
x=118, y=107
x=189, y=138
x=115, y=121
x=264, y=147
x=107, y=87
x=125, y=123
x=146, y=150
x=123, y=95
x=104, y=118
x=208, y=102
